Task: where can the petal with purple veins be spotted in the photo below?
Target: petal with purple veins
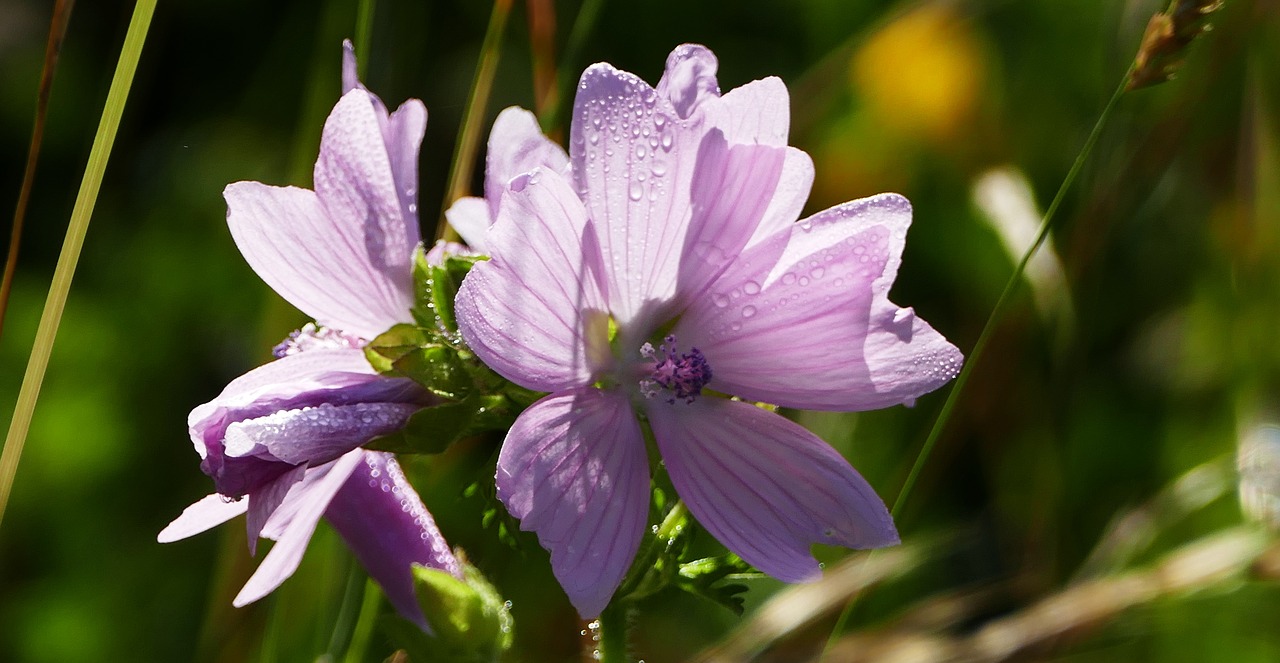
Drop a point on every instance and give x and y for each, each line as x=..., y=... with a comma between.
x=765, y=487
x=535, y=313
x=814, y=329
x=573, y=469
x=633, y=162
x=517, y=146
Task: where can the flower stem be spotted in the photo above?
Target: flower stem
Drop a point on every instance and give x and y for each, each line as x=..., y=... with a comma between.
x=612, y=647
x=57, y=31
x=993, y=320
x=464, y=153
x=70, y=255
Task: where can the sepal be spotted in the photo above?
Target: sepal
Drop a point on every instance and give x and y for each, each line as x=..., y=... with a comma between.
x=470, y=621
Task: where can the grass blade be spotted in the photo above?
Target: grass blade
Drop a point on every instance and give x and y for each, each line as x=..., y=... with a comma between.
x=70, y=255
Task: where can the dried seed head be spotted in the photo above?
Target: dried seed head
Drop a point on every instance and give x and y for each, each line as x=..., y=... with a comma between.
x=1168, y=35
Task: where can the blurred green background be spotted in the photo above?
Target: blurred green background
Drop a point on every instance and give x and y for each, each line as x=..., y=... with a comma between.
x=1144, y=347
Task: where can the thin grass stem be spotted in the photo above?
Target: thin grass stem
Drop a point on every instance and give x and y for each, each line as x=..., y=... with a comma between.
x=464, y=154
x=53, y=48
x=363, y=633
x=47, y=330
x=550, y=116
x=364, y=35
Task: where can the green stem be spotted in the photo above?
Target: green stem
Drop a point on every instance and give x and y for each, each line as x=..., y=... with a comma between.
x=363, y=632
x=675, y=517
x=364, y=35
x=70, y=255
x=348, y=612
x=582, y=26
x=993, y=321
x=612, y=631
x=57, y=31
x=464, y=153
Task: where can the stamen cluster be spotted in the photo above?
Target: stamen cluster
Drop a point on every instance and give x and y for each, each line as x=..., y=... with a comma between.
x=683, y=375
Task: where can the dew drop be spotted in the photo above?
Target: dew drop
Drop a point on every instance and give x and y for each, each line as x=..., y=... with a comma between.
x=748, y=311
x=720, y=300
x=666, y=142
x=636, y=192
x=804, y=281
x=817, y=272
x=751, y=288
x=788, y=278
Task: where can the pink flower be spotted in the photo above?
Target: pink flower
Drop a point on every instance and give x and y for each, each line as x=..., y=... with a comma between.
x=282, y=441
x=675, y=228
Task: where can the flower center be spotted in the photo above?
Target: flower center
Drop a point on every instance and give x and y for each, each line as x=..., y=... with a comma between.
x=682, y=376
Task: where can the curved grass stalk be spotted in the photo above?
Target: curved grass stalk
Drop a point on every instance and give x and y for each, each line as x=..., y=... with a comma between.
x=103, y=140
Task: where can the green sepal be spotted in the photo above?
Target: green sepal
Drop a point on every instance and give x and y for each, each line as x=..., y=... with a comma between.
x=470, y=621
x=383, y=351
x=435, y=287
x=438, y=368
x=432, y=429
x=701, y=577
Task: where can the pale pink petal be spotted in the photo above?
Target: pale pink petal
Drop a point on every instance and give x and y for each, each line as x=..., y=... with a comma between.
x=573, y=469
x=764, y=486
x=633, y=161
x=264, y=501
x=732, y=188
x=789, y=197
x=209, y=512
x=311, y=498
x=385, y=524
x=689, y=81
x=814, y=329
x=517, y=146
x=471, y=218
x=289, y=239
x=535, y=312
x=350, y=77
x=758, y=113
x=403, y=132
x=360, y=181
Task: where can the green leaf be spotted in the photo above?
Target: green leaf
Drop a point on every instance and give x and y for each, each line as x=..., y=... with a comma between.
x=429, y=431
x=701, y=578
x=389, y=346
x=470, y=620
x=438, y=368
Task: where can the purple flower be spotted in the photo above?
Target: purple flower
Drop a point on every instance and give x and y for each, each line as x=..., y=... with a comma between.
x=282, y=441
x=669, y=263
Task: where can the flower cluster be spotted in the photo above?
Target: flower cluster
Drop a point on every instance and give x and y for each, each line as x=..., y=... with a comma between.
x=654, y=282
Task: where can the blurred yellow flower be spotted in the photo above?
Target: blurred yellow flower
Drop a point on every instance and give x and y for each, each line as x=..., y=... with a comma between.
x=921, y=75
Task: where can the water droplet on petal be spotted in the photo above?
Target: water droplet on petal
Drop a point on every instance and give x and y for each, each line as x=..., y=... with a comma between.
x=636, y=192
x=720, y=300
x=751, y=288
x=748, y=311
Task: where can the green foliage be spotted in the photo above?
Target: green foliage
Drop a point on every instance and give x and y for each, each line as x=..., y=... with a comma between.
x=471, y=623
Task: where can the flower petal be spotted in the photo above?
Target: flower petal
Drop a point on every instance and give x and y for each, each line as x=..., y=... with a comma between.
x=265, y=500
x=385, y=524
x=317, y=434
x=766, y=487
x=758, y=113
x=209, y=512
x=815, y=329
x=789, y=196
x=633, y=162
x=733, y=186
x=471, y=218
x=573, y=469
x=517, y=146
x=305, y=504
x=690, y=78
x=535, y=312
x=288, y=238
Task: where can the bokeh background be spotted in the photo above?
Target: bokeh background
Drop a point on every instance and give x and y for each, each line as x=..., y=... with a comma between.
x=1084, y=502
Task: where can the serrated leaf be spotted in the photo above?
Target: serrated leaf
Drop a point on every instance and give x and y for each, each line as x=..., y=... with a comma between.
x=700, y=578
